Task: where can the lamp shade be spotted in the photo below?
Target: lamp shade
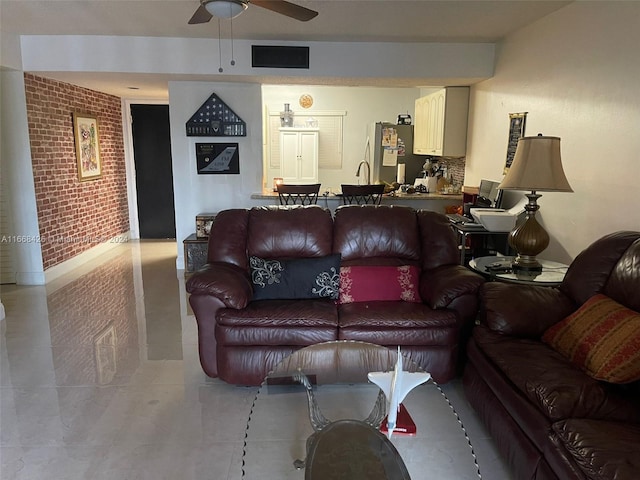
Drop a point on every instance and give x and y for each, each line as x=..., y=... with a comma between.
x=537, y=166
x=225, y=8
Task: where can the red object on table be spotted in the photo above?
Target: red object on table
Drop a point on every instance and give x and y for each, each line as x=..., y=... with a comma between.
x=404, y=423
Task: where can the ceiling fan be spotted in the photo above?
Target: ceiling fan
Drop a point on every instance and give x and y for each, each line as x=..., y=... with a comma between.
x=233, y=8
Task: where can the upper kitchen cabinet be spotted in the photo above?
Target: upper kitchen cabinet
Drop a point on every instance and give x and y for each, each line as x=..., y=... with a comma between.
x=441, y=123
x=299, y=155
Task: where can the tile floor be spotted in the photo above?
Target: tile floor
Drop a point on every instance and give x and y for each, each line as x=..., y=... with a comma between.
x=100, y=379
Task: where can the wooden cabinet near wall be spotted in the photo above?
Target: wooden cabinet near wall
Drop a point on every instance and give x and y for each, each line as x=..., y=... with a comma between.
x=299, y=155
x=441, y=123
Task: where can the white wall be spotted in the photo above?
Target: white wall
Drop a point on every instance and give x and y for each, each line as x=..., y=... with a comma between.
x=199, y=56
x=363, y=105
x=15, y=163
x=577, y=73
x=195, y=193
x=10, y=52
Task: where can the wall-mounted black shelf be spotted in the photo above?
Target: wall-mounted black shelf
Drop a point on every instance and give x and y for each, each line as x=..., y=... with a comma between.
x=215, y=119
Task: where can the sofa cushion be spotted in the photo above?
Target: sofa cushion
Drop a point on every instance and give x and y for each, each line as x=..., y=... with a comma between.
x=294, y=231
x=278, y=323
x=296, y=278
x=398, y=323
x=602, y=338
x=602, y=450
x=554, y=385
x=379, y=283
x=382, y=231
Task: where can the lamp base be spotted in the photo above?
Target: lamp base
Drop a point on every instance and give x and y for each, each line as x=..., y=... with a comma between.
x=528, y=239
x=522, y=264
x=526, y=268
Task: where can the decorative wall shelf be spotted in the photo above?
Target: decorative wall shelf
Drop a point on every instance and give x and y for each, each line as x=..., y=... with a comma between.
x=215, y=119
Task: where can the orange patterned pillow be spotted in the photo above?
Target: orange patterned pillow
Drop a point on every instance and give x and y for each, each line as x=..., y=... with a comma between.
x=602, y=337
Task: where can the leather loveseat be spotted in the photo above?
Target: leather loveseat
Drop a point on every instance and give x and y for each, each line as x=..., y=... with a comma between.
x=241, y=338
x=553, y=418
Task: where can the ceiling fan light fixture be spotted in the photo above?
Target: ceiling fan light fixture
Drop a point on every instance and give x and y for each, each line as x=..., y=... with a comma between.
x=225, y=8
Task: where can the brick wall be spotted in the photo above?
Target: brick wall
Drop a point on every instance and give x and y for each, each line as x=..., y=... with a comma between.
x=74, y=216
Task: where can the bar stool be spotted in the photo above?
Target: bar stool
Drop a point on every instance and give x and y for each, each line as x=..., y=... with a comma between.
x=362, y=194
x=298, y=194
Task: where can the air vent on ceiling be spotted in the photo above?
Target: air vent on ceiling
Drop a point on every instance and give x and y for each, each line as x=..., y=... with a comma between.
x=271, y=56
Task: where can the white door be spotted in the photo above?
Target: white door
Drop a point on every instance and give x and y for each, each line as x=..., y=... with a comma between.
x=299, y=156
x=308, y=157
x=289, y=165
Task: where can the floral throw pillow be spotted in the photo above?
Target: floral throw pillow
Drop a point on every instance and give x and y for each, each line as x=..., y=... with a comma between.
x=379, y=283
x=316, y=277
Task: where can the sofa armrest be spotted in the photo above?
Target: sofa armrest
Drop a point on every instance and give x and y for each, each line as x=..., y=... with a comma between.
x=225, y=281
x=440, y=286
x=522, y=310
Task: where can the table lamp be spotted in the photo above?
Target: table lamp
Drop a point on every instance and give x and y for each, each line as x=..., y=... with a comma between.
x=536, y=167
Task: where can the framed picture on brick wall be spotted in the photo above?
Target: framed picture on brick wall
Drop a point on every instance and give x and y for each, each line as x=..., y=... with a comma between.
x=85, y=134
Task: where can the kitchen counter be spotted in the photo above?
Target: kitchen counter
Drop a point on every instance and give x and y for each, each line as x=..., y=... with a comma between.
x=268, y=194
x=427, y=201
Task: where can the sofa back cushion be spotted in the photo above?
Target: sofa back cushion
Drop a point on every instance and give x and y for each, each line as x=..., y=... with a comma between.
x=606, y=262
x=289, y=232
x=376, y=232
x=438, y=241
x=228, y=238
x=624, y=282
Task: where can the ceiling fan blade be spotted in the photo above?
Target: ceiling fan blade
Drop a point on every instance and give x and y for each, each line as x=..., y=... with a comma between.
x=287, y=8
x=202, y=15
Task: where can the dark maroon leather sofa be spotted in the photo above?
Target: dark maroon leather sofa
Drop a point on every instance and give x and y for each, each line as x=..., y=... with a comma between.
x=551, y=420
x=240, y=339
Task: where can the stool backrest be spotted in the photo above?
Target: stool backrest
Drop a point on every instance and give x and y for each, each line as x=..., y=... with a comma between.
x=298, y=194
x=362, y=194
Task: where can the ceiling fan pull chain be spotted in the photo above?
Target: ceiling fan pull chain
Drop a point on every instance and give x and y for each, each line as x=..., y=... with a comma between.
x=219, y=48
x=233, y=60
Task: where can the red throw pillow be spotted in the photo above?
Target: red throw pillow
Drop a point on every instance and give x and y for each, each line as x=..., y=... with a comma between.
x=377, y=283
x=602, y=338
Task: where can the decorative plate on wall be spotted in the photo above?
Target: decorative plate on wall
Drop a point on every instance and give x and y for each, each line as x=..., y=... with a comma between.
x=306, y=100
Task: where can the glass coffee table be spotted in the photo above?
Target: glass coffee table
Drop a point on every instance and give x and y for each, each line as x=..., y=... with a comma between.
x=551, y=276
x=281, y=444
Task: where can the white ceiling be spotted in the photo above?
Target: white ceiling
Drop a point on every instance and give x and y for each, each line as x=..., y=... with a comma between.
x=338, y=20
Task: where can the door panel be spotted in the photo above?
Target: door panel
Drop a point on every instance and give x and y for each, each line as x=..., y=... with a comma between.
x=154, y=175
x=308, y=157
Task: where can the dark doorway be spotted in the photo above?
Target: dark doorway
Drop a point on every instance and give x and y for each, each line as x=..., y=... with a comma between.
x=154, y=175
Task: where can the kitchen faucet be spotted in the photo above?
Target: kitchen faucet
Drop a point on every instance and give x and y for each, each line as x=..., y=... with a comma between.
x=364, y=162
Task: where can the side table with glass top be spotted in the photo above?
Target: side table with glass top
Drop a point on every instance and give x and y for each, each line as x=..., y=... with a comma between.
x=551, y=276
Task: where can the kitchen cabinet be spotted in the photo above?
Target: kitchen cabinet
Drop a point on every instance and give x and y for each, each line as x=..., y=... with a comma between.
x=299, y=155
x=440, y=127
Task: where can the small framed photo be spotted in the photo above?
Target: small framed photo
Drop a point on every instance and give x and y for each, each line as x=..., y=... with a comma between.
x=85, y=133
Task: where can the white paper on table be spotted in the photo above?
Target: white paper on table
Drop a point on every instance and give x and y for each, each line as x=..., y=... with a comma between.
x=390, y=157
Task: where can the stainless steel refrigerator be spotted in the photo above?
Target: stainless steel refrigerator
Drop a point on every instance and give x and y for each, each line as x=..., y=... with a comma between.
x=391, y=145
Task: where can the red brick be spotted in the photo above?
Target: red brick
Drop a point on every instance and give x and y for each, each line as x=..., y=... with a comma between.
x=68, y=208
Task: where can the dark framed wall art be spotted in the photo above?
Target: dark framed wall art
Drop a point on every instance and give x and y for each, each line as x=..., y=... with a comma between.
x=517, y=123
x=85, y=134
x=217, y=158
